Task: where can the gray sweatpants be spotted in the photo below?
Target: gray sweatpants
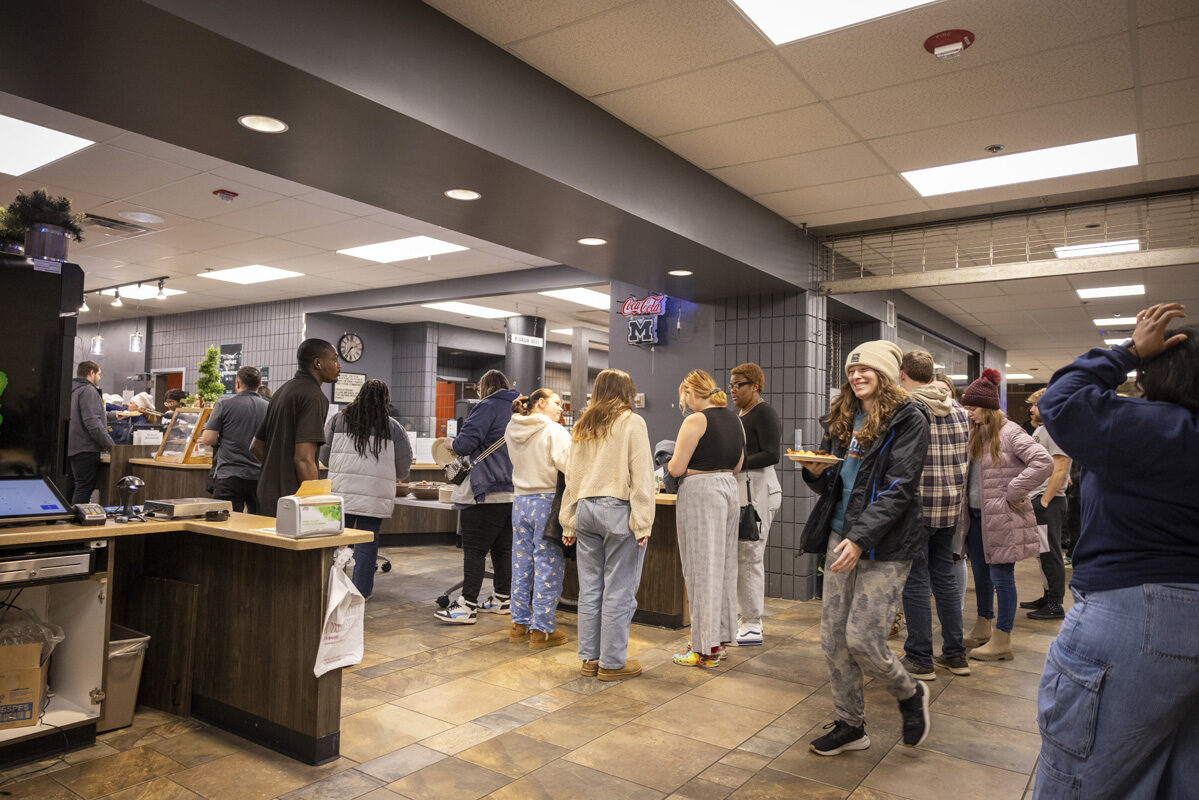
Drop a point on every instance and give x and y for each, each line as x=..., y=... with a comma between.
x=859, y=607
x=706, y=515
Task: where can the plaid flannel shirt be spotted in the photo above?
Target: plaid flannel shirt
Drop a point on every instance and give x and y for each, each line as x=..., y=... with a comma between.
x=943, y=484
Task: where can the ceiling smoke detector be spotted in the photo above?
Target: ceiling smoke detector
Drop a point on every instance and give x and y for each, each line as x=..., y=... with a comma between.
x=949, y=44
x=994, y=148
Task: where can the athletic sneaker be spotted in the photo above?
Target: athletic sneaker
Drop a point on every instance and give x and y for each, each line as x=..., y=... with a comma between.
x=914, y=711
x=842, y=737
x=495, y=604
x=958, y=665
x=1048, y=611
x=1035, y=604
x=694, y=659
x=748, y=636
x=459, y=612
x=920, y=672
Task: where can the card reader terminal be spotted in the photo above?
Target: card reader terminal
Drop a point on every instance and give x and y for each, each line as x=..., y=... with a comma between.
x=90, y=514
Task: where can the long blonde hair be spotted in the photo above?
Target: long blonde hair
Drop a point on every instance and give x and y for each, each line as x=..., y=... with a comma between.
x=611, y=396
x=986, y=436
x=887, y=398
x=701, y=385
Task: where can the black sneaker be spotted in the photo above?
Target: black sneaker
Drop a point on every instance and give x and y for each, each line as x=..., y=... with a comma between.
x=1038, y=603
x=959, y=665
x=914, y=711
x=842, y=737
x=1049, y=611
x=921, y=672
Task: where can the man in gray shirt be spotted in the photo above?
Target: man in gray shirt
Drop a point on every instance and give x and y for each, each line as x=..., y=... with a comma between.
x=231, y=428
x=87, y=436
x=1049, y=504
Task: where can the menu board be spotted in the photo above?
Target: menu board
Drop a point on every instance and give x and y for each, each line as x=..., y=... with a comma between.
x=230, y=363
x=347, y=386
x=180, y=443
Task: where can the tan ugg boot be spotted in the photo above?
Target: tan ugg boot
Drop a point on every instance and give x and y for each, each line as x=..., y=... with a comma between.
x=518, y=633
x=539, y=640
x=980, y=635
x=998, y=649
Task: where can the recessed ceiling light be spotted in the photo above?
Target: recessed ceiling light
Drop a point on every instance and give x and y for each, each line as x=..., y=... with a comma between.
x=1113, y=342
x=262, y=124
x=469, y=310
x=462, y=194
x=681, y=273
x=592, y=241
x=787, y=21
x=1112, y=291
x=143, y=292
x=1007, y=365
x=584, y=297
x=1035, y=165
x=1115, y=322
x=28, y=146
x=957, y=377
x=254, y=273
x=141, y=216
x=402, y=249
x=1100, y=249
x=1019, y=376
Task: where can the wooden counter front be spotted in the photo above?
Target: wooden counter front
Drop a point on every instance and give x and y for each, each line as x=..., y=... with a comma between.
x=165, y=480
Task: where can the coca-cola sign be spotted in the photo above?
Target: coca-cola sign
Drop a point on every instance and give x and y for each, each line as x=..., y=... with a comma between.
x=650, y=306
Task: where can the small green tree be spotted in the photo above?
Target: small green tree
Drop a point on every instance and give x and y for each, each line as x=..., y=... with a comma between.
x=209, y=385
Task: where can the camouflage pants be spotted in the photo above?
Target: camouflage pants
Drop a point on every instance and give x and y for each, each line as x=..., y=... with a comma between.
x=856, y=617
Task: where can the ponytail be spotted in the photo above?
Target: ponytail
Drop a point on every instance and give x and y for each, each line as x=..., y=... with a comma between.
x=524, y=405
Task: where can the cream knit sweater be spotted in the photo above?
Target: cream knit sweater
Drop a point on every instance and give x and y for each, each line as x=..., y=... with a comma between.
x=619, y=465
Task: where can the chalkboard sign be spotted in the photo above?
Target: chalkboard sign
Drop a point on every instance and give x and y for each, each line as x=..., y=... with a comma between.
x=229, y=364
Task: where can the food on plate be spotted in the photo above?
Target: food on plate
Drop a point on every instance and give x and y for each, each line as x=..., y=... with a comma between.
x=821, y=453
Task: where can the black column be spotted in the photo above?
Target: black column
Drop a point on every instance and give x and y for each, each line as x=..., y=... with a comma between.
x=524, y=352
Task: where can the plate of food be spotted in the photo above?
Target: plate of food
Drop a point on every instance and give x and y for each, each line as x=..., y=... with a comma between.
x=819, y=456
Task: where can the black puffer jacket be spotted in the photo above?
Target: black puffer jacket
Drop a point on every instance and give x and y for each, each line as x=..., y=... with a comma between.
x=883, y=516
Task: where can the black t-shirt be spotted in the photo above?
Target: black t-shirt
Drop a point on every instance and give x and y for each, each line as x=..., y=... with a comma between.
x=296, y=414
x=763, y=436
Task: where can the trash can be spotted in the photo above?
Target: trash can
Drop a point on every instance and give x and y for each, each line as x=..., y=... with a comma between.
x=126, y=654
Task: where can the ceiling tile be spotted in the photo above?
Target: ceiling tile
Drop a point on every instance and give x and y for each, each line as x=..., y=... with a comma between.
x=280, y=216
x=1056, y=76
x=1151, y=12
x=113, y=211
x=138, y=249
x=890, y=50
x=1173, y=103
x=1035, y=189
x=80, y=201
x=734, y=90
x=1167, y=51
x=199, y=236
x=504, y=21
x=109, y=172
x=338, y=203
x=1057, y=285
x=1171, y=144
x=347, y=233
x=1172, y=169
x=321, y=264
x=193, y=197
x=190, y=264
x=783, y=133
x=836, y=196
x=406, y=224
x=804, y=169
x=260, y=180
x=63, y=121
x=641, y=42
x=154, y=148
x=264, y=251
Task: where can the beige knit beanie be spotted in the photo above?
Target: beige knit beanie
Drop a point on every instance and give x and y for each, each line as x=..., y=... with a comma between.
x=881, y=356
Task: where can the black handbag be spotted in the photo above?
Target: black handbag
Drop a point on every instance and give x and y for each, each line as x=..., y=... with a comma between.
x=458, y=470
x=819, y=526
x=553, y=526
x=749, y=528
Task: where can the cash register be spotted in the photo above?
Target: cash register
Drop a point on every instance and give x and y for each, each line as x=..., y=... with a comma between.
x=25, y=500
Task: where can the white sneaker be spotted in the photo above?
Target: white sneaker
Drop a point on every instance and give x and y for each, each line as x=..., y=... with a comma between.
x=495, y=604
x=459, y=612
x=748, y=636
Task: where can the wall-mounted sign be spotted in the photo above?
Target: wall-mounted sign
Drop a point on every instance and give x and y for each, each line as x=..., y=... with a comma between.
x=531, y=341
x=347, y=386
x=643, y=317
x=229, y=364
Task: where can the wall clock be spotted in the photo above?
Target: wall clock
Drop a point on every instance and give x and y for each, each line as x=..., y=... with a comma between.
x=349, y=346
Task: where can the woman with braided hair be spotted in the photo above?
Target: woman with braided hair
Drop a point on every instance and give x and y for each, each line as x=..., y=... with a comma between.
x=367, y=452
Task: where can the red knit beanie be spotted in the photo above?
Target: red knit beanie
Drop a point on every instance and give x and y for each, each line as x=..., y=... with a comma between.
x=984, y=392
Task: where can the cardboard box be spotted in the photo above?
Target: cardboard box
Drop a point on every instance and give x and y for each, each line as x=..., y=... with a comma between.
x=22, y=682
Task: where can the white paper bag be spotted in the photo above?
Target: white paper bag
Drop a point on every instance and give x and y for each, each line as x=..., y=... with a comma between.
x=341, y=636
x=1043, y=535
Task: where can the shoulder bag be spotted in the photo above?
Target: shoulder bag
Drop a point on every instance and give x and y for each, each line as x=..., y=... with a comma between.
x=457, y=471
x=749, y=529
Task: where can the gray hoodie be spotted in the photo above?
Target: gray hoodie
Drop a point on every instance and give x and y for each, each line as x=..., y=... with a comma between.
x=88, y=432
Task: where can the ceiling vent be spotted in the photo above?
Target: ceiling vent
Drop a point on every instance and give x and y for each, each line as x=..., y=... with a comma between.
x=112, y=228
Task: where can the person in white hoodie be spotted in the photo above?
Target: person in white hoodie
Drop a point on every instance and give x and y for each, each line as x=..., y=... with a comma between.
x=367, y=452
x=539, y=448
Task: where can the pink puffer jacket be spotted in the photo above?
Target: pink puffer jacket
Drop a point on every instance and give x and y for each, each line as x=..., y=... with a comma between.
x=1010, y=536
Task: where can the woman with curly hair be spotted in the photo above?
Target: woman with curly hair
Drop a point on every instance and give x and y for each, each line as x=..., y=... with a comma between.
x=868, y=519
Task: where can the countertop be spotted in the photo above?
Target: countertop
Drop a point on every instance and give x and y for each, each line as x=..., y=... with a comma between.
x=150, y=462
x=242, y=527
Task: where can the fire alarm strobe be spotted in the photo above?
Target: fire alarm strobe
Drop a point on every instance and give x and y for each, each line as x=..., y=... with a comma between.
x=225, y=194
x=949, y=44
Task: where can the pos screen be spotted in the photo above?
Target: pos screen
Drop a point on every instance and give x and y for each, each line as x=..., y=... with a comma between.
x=31, y=500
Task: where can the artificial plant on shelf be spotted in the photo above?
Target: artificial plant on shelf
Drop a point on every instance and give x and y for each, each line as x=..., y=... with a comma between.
x=208, y=384
x=28, y=209
x=9, y=234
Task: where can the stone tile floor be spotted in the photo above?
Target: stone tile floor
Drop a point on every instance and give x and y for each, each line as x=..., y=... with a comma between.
x=436, y=712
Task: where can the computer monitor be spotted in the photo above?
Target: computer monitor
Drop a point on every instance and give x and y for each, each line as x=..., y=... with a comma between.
x=25, y=499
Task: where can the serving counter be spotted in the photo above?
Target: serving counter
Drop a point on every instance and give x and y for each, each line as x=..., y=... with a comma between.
x=166, y=480
x=234, y=615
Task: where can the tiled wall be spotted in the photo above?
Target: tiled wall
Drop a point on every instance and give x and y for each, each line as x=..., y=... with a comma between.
x=268, y=332
x=413, y=376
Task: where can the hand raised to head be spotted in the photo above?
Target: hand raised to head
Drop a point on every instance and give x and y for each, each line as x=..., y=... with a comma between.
x=1149, y=337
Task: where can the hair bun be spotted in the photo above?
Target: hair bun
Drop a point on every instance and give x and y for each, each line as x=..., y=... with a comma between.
x=992, y=375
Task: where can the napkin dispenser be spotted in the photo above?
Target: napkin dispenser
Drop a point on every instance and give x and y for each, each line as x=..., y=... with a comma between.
x=311, y=511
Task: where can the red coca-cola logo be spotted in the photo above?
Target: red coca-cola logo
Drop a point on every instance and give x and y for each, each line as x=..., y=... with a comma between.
x=652, y=305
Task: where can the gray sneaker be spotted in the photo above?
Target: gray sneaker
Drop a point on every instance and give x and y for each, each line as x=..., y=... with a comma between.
x=958, y=666
x=920, y=672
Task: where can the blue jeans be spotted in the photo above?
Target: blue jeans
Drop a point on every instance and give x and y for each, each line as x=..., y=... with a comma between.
x=932, y=568
x=537, y=565
x=609, y=563
x=998, y=580
x=1118, y=705
x=365, y=554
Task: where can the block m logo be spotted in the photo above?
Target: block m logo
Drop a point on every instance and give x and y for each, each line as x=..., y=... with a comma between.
x=643, y=330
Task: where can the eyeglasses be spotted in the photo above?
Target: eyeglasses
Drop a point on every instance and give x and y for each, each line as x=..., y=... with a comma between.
x=735, y=386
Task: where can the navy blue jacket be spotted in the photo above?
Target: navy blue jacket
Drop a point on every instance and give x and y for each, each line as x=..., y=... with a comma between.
x=1139, y=462
x=481, y=429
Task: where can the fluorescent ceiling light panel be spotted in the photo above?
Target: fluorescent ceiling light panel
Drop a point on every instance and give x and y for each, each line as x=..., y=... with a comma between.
x=402, y=249
x=957, y=377
x=787, y=20
x=1114, y=342
x=1112, y=291
x=563, y=331
x=584, y=297
x=255, y=273
x=1115, y=322
x=25, y=146
x=1100, y=249
x=1019, y=376
x=1035, y=165
x=469, y=310
x=143, y=292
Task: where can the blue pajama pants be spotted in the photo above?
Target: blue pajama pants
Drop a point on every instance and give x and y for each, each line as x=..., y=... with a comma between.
x=537, y=564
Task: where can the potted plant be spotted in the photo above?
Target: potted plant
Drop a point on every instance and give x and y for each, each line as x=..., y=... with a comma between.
x=46, y=223
x=208, y=385
x=11, y=239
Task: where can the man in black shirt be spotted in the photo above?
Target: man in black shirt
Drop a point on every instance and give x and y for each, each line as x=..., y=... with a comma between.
x=294, y=427
x=230, y=429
